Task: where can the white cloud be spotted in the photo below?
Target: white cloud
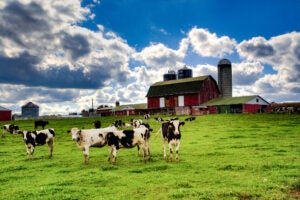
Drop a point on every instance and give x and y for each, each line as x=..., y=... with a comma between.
x=205, y=69
x=158, y=55
x=246, y=73
x=209, y=44
x=283, y=54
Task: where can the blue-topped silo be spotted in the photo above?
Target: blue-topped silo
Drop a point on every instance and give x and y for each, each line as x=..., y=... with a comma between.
x=185, y=73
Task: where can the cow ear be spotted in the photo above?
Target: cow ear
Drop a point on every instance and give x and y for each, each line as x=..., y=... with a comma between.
x=68, y=131
x=182, y=123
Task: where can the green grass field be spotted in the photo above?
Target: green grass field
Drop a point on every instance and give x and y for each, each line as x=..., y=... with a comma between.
x=255, y=156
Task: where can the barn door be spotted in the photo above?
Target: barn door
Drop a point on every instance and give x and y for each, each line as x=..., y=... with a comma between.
x=161, y=102
x=180, y=100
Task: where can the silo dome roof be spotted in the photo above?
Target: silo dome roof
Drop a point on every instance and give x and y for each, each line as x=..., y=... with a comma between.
x=224, y=62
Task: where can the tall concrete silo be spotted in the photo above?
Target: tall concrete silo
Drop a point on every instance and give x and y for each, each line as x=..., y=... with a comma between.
x=225, y=78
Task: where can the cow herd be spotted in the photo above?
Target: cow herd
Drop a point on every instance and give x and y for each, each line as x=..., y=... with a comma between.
x=112, y=136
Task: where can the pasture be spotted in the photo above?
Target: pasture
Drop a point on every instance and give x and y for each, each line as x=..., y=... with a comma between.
x=238, y=156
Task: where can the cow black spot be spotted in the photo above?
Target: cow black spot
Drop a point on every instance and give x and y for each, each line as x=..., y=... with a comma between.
x=29, y=139
x=112, y=140
x=127, y=140
x=51, y=131
x=41, y=138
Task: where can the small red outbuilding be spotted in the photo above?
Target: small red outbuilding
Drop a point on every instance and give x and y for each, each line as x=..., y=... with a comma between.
x=5, y=114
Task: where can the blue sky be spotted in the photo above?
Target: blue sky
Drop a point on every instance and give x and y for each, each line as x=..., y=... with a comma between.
x=62, y=54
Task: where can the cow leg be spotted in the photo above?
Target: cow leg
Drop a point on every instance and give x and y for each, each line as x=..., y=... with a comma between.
x=114, y=155
x=50, y=144
x=171, y=151
x=164, y=147
x=86, y=154
x=110, y=151
x=148, y=147
x=4, y=132
x=145, y=151
x=138, y=147
x=177, y=149
x=30, y=151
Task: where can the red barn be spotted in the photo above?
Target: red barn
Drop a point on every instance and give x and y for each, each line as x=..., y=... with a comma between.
x=182, y=94
x=5, y=114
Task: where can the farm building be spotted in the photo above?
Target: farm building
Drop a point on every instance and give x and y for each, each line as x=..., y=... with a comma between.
x=123, y=110
x=243, y=104
x=5, y=114
x=178, y=96
x=30, y=110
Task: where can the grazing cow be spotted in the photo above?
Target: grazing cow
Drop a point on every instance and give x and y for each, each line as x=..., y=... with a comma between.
x=128, y=139
x=171, y=133
x=87, y=138
x=41, y=123
x=97, y=124
x=36, y=138
x=11, y=128
x=136, y=122
x=146, y=116
x=159, y=119
x=118, y=123
x=190, y=119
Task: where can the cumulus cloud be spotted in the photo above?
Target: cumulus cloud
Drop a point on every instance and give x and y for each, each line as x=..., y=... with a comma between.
x=208, y=44
x=282, y=54
x=204, y=69
x=246, y=73
x=42, y=45
x=158, y=55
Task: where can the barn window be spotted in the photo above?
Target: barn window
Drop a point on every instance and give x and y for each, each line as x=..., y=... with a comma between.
x=257, y=100
x=180, y=100
x=161, y=102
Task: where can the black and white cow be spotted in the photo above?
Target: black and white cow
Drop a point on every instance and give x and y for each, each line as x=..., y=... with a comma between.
x=37, y=138
x=118, y=123
x=136, y=122
x=171, y=134
x=159, y=119
x=128, y=139
x=190, y=119
x=41, y=123
x=146, y=117
x=11, y=128
x=86, y=138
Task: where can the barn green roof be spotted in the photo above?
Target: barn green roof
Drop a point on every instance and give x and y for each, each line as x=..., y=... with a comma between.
x=137, y=106
x=229, y=100
x=176, y=87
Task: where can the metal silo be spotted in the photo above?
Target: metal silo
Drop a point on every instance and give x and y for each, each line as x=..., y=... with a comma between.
x=185, y=73
x=171, y=75
x=225, y=78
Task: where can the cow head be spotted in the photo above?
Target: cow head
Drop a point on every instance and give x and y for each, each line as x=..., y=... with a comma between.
x=28, y=136
x=23, y=133
x=75, y=133
x=136, y=123
x=175, y=125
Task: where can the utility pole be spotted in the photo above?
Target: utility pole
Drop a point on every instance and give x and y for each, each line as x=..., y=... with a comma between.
x=93, y=104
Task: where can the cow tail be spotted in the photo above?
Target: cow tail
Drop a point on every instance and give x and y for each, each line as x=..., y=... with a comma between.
x=159, y=131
